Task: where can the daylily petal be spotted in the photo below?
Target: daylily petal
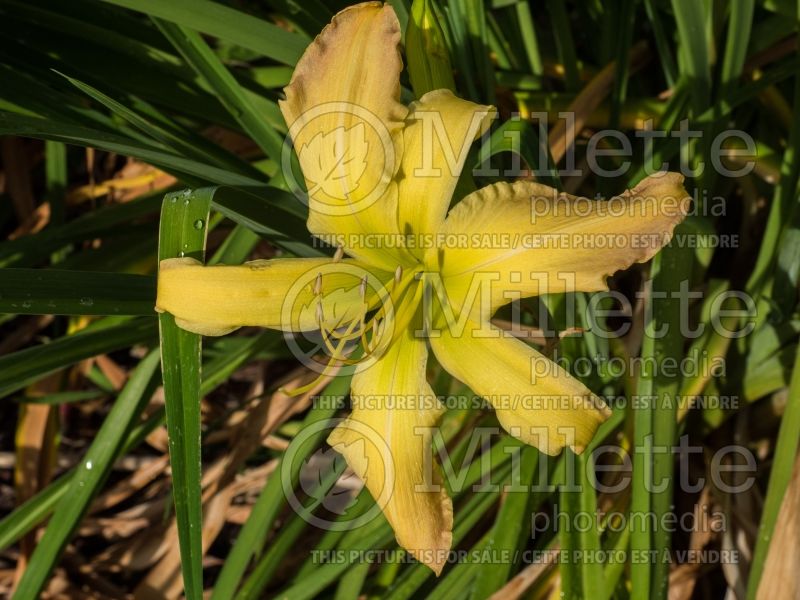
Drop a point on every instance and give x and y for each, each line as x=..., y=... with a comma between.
x=280, y=294
x=387, y=442
x=530, y=239
x=345, y=119
x=439, y=131
x=535, y=400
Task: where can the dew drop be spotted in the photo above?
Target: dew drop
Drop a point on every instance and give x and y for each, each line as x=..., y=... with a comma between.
x=199, y=224
x=87, y=301
x=88, y=465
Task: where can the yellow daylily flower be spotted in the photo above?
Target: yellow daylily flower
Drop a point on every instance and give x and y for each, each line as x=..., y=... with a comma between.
x=380, y=178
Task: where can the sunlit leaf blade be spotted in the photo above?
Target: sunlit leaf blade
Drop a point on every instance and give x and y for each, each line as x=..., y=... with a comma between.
x=87, y=480
x=227, y=23
x=15, y=124
x=202, y=59
x=184, y=222
x=785, y=456
x=272, y=497
x=20, y=368
x=59, y=292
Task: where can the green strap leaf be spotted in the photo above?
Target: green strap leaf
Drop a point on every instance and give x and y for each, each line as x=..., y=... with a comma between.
x=59, y=292
x=184, y=222
x=85, y=483
x=226, y=23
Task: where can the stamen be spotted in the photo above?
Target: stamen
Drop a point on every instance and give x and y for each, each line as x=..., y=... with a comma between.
x=369, y=331
x=309, y=386
x=336, y=357
x=318, y=285
x=363, y=329
x=326, y=338
x=320, y=315
x=339, y=254
x=377, y=331
x=348, y=335
x=378, y=323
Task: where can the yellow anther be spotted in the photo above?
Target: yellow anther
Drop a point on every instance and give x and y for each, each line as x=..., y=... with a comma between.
x=318, y=285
